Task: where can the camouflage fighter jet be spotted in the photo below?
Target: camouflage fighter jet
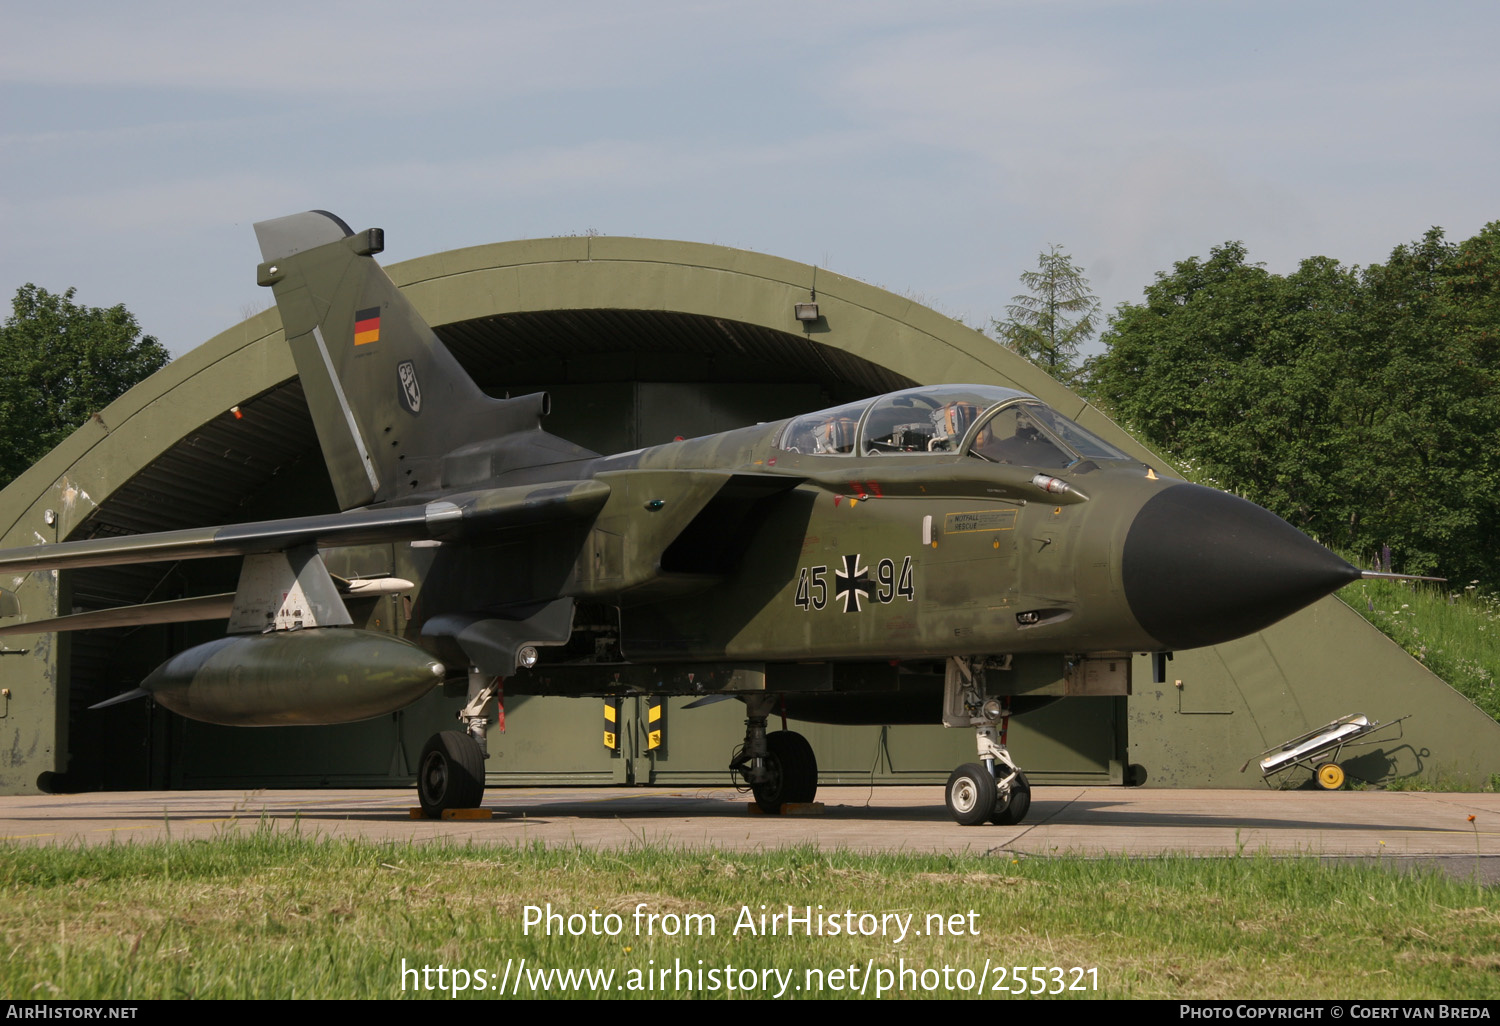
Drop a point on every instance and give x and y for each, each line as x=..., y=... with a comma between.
x=960, y=552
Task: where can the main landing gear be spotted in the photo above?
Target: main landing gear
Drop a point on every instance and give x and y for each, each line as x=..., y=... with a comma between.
x=993, y=789
x=450, y=773
x=780, y=768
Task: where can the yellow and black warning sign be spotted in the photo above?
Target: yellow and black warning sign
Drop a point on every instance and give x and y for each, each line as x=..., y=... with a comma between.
x=612, y=724
x=656, y=726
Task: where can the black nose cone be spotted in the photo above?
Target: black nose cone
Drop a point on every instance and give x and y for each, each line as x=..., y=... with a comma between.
x=1202, y=567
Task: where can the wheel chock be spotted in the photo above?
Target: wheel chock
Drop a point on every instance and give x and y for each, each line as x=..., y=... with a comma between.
x=417, y=813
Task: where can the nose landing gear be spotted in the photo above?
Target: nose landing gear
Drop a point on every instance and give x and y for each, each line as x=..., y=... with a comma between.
x=994, y=788
x=971, y=794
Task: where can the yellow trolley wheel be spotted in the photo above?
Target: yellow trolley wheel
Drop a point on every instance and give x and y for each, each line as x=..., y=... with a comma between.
x=1330, y=776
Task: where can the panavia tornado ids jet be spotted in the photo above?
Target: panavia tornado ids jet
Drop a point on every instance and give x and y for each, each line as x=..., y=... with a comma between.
x=960, y=552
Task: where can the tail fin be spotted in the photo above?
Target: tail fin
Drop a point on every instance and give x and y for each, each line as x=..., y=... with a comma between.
x=387, y=398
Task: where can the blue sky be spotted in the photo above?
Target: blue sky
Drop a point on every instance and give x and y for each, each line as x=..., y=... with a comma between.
x=932, y=150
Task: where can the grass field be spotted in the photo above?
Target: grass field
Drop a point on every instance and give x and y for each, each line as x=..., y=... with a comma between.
x=278, y=916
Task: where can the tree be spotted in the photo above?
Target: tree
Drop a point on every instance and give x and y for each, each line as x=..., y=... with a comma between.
x=1359, y=404
x=1049, y=323
x=60, y=363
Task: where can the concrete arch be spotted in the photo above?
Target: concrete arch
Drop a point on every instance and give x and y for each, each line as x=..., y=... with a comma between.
x=223, y=431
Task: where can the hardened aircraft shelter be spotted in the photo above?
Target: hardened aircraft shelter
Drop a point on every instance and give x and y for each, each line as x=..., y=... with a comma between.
x=638, y=341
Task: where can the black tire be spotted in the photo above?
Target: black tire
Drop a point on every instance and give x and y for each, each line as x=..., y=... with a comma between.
x=970, y=794
x=1014, y=810
x=793, y=773
x=450, y=774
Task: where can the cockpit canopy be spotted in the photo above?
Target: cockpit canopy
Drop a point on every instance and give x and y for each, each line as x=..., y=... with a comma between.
x=1000, y=425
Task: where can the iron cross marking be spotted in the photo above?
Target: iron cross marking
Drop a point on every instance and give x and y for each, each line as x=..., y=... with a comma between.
x=852, y=584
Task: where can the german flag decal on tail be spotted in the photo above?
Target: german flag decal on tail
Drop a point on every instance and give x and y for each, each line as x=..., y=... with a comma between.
x=367, y=326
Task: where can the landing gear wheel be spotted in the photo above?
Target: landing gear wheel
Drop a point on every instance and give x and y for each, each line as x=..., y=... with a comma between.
x=450, y=774
x=1330, y=776
x=970, y=795
x=793, y=769
x=1013, y=810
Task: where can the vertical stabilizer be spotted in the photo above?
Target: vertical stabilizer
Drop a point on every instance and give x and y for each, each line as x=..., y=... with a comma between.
x=386, y=396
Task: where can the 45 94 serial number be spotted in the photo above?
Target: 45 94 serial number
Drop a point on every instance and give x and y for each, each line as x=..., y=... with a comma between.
x=851, y=584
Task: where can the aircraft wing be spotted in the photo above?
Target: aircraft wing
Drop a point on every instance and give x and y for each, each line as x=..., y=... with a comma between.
x=450, y=519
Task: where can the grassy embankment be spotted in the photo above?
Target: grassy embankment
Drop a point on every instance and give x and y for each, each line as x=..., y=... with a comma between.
x=278, y=916
x=1453, y=629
